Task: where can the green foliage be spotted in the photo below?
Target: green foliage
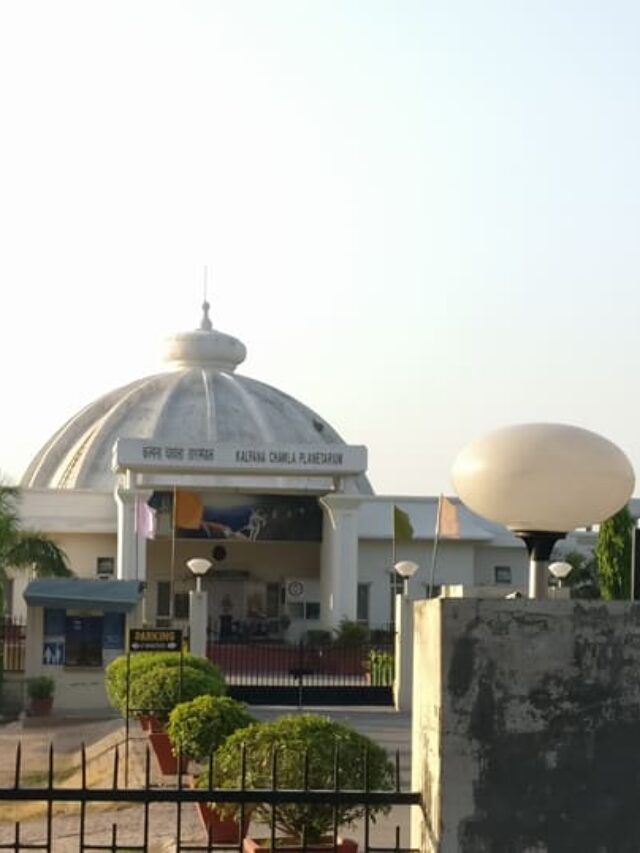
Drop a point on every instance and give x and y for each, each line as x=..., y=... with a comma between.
x=197, y=728
x=583, y=580
x=142, y=664
x=298, y=741
x=613, y=556
x=380, y=666
x=351, y=633
x=157, y=691
x=20, y=549
x=40, y=687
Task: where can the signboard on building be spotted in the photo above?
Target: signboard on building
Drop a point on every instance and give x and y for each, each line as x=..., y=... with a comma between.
x=229, y=458
x=155, y=640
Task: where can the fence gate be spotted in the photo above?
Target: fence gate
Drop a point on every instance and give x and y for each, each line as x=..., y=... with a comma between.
x=307, y=673
x=59, y=814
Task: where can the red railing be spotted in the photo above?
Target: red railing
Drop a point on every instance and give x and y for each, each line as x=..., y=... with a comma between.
x=14, y=640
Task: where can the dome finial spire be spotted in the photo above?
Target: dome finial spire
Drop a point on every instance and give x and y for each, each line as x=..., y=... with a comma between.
x=205, y=323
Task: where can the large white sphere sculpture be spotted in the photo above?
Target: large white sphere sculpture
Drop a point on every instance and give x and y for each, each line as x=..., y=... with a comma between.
x=541, y=481
x=543, y=477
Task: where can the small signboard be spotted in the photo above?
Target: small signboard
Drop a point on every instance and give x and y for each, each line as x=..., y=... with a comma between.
x=155, y=640
x=53, y=653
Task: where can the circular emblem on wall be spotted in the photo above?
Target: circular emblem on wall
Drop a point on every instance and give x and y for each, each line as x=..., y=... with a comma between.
x=219, y=553
x=295, y=589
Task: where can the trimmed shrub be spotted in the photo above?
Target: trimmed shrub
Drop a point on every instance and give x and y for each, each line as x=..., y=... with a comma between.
x=142, y=663
x=298, y=741
x=197, y=728
x=157, y=691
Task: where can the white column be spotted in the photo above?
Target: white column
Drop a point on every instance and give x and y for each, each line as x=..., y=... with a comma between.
x=339, y=559
x=132, y=548
x=403, y=672
x=198, y=617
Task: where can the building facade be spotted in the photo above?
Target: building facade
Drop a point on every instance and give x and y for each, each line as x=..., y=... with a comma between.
x=199, y=461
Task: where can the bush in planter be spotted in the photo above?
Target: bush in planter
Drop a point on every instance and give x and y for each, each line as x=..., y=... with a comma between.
x=293, y=738
x=40, y=690
x=143, y=662
x=40, y=687
x=380, y=666
x=158, y=690
x=197, y=728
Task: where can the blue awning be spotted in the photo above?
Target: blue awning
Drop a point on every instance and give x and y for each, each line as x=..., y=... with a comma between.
x=84, y=594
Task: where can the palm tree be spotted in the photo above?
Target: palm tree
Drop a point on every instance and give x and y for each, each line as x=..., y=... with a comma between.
x=21, y=549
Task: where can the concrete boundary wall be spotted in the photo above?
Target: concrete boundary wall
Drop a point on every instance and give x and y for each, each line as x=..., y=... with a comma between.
x=527, y=726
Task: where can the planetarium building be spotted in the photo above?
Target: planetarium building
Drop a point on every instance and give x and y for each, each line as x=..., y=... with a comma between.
x=199, y=461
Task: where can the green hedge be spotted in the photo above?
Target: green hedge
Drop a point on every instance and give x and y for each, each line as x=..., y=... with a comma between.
x=305, y=739
x=198, y=676
x=197, y=728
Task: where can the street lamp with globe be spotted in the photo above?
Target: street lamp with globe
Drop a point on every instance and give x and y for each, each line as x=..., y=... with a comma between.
x=560, y=570
x=406, y=569
x=542, y=481
x=198, y=607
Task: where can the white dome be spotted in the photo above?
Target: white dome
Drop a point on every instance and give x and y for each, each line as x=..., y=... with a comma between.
x=199, y=400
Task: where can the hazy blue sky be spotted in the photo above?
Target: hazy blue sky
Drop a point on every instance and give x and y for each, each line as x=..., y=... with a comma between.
x=422, y=218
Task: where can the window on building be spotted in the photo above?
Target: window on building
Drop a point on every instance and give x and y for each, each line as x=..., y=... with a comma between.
x=83, y=639
x=362, y=604
x=181, y=605
x=273, y=600
x=163, y=603
x=105, y=567
x=163, y=599
x=502, y=574
x=312, y=610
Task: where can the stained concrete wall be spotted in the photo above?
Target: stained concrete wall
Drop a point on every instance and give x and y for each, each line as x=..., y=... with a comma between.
x=527, y=726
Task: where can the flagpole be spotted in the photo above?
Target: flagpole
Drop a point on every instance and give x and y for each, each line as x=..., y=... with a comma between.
x=434, y=553
x=392, y=614
x=173, y=553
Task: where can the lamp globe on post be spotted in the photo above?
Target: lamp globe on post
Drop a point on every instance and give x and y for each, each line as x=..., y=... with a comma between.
x=198, y=607
x=560, y=570
x=541, y=481
x=406, y=569
x=199, y=566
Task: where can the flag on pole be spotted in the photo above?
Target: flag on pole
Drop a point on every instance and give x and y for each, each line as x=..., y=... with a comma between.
x=145, y=519
x=187, y=511
x=447, y=527
x=448, y=519
x=402, y=527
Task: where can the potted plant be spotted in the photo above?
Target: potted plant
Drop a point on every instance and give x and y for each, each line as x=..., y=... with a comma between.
x=197, y=729
x=157, y=682
x=40, y=690
x=379, y=668
x=141, y=663
x=309, y=750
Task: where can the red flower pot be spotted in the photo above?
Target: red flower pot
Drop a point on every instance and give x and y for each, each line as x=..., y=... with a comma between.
x=167, y=761
x=221, y=829
x=41, y=707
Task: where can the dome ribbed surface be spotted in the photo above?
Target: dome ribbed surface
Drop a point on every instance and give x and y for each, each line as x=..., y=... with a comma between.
x=191, y=405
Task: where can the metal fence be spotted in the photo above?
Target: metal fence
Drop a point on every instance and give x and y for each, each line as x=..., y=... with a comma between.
x=13, y=638
x=307, y=673
x=137, y=819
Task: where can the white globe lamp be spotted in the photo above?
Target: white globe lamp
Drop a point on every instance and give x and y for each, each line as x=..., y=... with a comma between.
x=541, y=481
x=406, y=569
x=560, y=570
x=199, y=566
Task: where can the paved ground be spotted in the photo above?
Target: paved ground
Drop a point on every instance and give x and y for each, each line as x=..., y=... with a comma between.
x=388, y=728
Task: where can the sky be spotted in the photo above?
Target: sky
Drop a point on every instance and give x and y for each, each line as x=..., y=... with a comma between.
x=421, y=218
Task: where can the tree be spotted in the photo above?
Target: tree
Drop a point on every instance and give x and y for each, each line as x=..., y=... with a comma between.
x=21, y=549
x=613, y=555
